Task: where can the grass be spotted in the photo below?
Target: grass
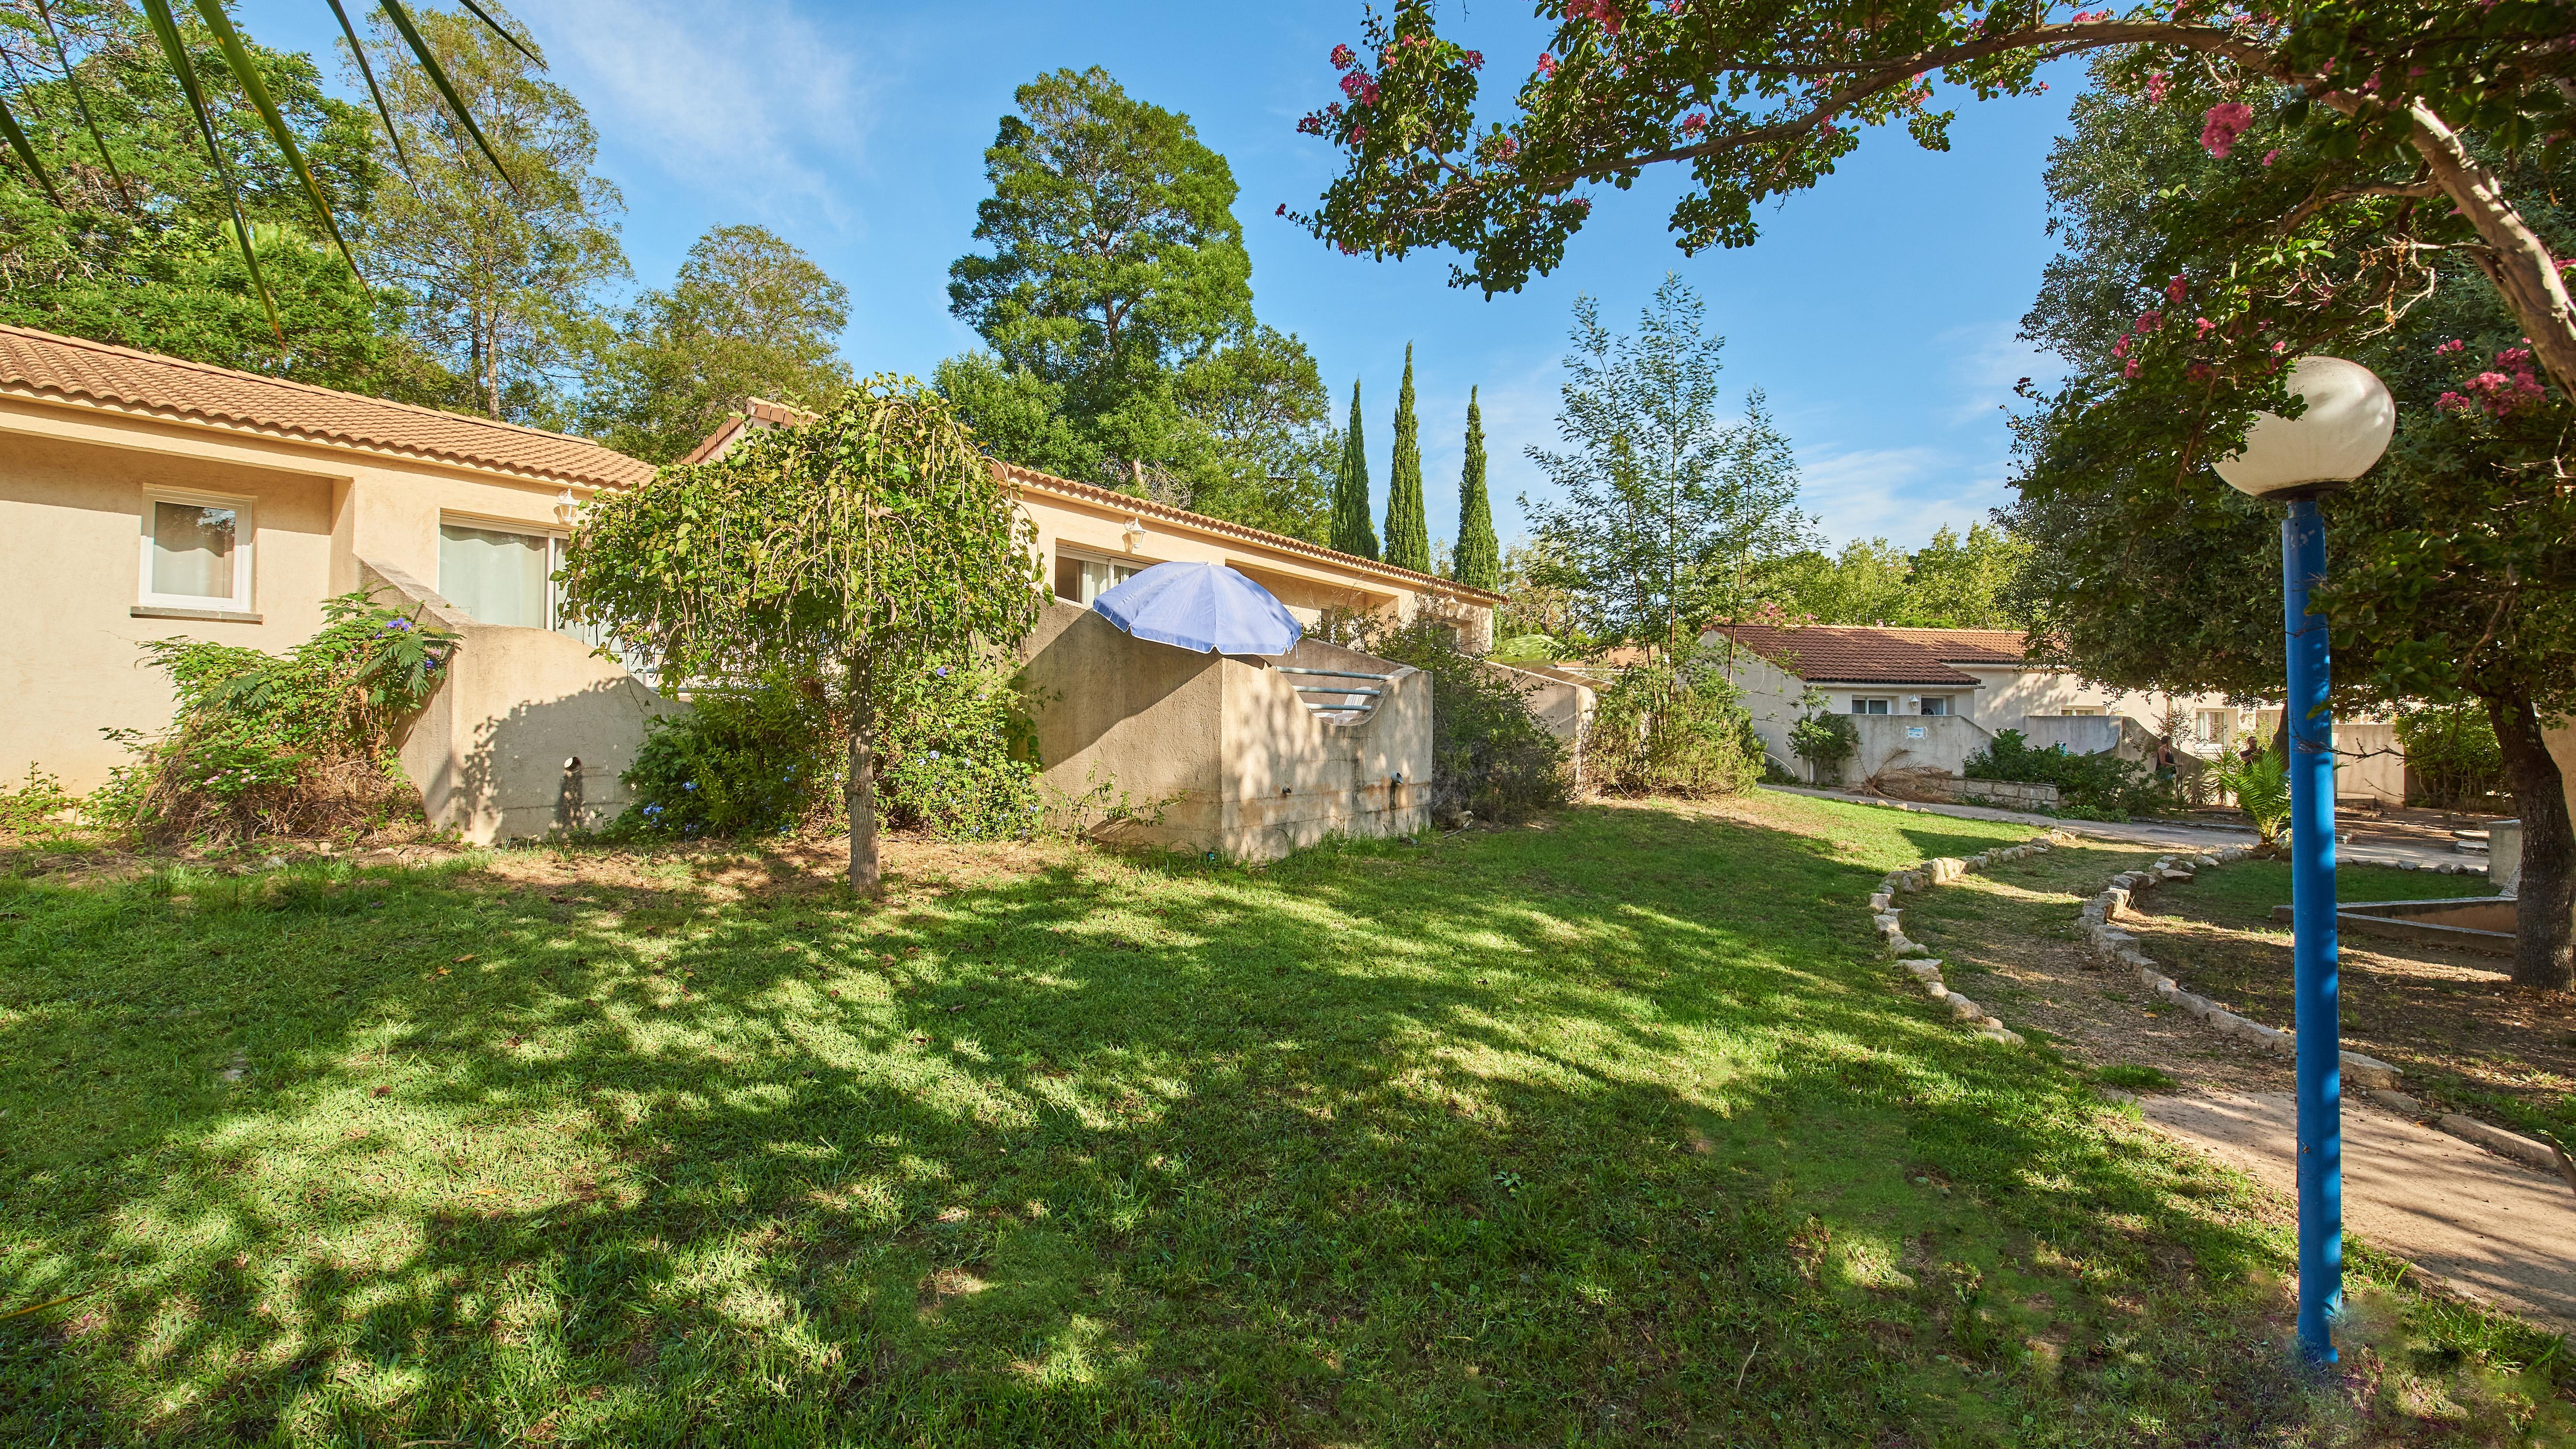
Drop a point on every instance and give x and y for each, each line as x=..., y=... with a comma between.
x=2468, y=1040
x=1618, y=1130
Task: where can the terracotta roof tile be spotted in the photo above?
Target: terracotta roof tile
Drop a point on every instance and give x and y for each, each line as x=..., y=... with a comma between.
x=1966, y=646
x=1844, y=654
x=763, y=413
x=42, y=365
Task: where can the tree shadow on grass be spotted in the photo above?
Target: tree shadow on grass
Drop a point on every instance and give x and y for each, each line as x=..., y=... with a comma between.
x=1613, y=1130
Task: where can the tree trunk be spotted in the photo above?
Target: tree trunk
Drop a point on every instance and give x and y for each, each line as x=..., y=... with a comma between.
x=866, y=876
x=2515, y=259
x=2542, y=954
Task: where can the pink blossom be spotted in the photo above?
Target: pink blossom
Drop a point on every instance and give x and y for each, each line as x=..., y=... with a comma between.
x=1507, y=148
x=2150, y=321
x=2454, y=345
x=2198, y=371
x=1605, y=13
x=1694, y=123
x=2134, y=367
x=2121, y=347
x=1354, y=83
x=2272, y=155
x=2279, y=347
x=2176, y=289
x=1343, y=58
x=2156, y=85
x=1282, y=211
x=2225, y=122
x=1546, y=64
x=2451, y=402
x=1475, y=60
x=2204, y=325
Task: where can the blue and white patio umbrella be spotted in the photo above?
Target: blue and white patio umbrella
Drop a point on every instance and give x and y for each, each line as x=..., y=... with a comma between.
x=1201, y=607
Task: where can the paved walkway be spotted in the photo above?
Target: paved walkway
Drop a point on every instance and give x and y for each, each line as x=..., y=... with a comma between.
x=2493, y=1230
x=2160, y=836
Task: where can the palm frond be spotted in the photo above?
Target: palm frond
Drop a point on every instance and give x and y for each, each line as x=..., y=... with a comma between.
x=80, y=98
x=437, y=73
x=358, y=49
x=212, y=12
x=26, y=152
x=165, y=28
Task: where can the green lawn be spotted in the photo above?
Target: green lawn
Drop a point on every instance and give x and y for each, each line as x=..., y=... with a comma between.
x=1618, y=1130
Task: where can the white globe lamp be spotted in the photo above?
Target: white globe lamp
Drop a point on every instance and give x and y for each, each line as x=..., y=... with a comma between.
x=2349, y=420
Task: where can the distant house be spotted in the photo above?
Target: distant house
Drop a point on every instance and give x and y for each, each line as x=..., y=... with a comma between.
x=1930, y=698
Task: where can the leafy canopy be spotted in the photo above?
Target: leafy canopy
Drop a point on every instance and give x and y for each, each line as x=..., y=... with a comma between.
x=1761, y=100
x=1117, y=301
x=749, y=315
x=1665, y=505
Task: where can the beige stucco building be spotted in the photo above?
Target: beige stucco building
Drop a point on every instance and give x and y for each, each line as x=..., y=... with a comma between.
x=146, y=497
x=1930, y=698
x=1092, y=538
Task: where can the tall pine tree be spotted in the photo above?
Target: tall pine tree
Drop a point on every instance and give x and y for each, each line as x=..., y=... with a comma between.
x=1478, y=562
x=1352, y=532
x=1408, y=531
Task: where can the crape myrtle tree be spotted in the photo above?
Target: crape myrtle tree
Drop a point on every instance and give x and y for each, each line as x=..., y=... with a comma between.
x=867, y=547
x=1666, y=506
x=1760, y=100
x=2210, y=238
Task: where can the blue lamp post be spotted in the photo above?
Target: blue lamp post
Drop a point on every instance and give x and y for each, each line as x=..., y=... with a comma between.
x=2345, y=427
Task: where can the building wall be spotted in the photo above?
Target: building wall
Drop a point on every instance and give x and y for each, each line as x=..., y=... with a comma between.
x=1771, y=696
x=1217, y=753
x=1076, y=528
x=72, y=489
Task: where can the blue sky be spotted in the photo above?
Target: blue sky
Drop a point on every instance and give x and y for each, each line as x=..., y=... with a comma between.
x=1877, y=311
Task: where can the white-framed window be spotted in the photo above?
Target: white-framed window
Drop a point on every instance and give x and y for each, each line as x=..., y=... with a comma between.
x=1079, y=578
x=502, y=575
x=1872, y=704
x=1936, y=704
x=197, y=550
x=2212, y=726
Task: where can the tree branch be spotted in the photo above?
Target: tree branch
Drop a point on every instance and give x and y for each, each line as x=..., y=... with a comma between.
x=2310, y=207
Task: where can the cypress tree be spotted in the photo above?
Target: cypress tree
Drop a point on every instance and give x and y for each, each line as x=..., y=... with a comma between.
x=1352, y=532
x=1408, y=531
x=1478, y=562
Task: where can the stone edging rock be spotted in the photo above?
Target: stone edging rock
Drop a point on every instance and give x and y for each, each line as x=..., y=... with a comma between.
x=1917, y=960
x=2377, y=1079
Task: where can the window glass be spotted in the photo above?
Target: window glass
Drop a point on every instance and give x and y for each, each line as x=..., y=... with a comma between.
x=1936, y=704
x=497, y=577
x=2083, y=711
x=193, y=548
x=1872, y=706
x=1100, y=576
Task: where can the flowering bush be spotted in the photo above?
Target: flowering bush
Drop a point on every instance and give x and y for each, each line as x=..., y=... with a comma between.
x=955, y=758
x=757, y=761
x=263, y=744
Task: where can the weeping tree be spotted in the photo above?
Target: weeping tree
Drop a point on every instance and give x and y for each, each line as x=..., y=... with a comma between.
x=866, y=547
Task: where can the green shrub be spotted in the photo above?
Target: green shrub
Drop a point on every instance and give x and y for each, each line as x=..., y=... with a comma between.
x=294, y=744
x=1490, y=757
x=961, y=758
x=755, y=761
x=2452, y=754
x=956, y=760
x=32, y=808
x=1530, y=649
x=1824, y=739
x=1673, y=729
x=2261, y=786
x=2111, y=787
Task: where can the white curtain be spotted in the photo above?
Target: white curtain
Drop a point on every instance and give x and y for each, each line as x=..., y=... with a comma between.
x=192, y=550
x=498, y=578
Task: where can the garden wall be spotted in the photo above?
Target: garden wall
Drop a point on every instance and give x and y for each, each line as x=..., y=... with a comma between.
x=528, y=733
x=1914, y=742
x=1223, y=747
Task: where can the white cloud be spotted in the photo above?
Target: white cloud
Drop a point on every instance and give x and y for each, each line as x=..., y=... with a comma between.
x=743, y=100
x=1901, y=494
x=1986, y=359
